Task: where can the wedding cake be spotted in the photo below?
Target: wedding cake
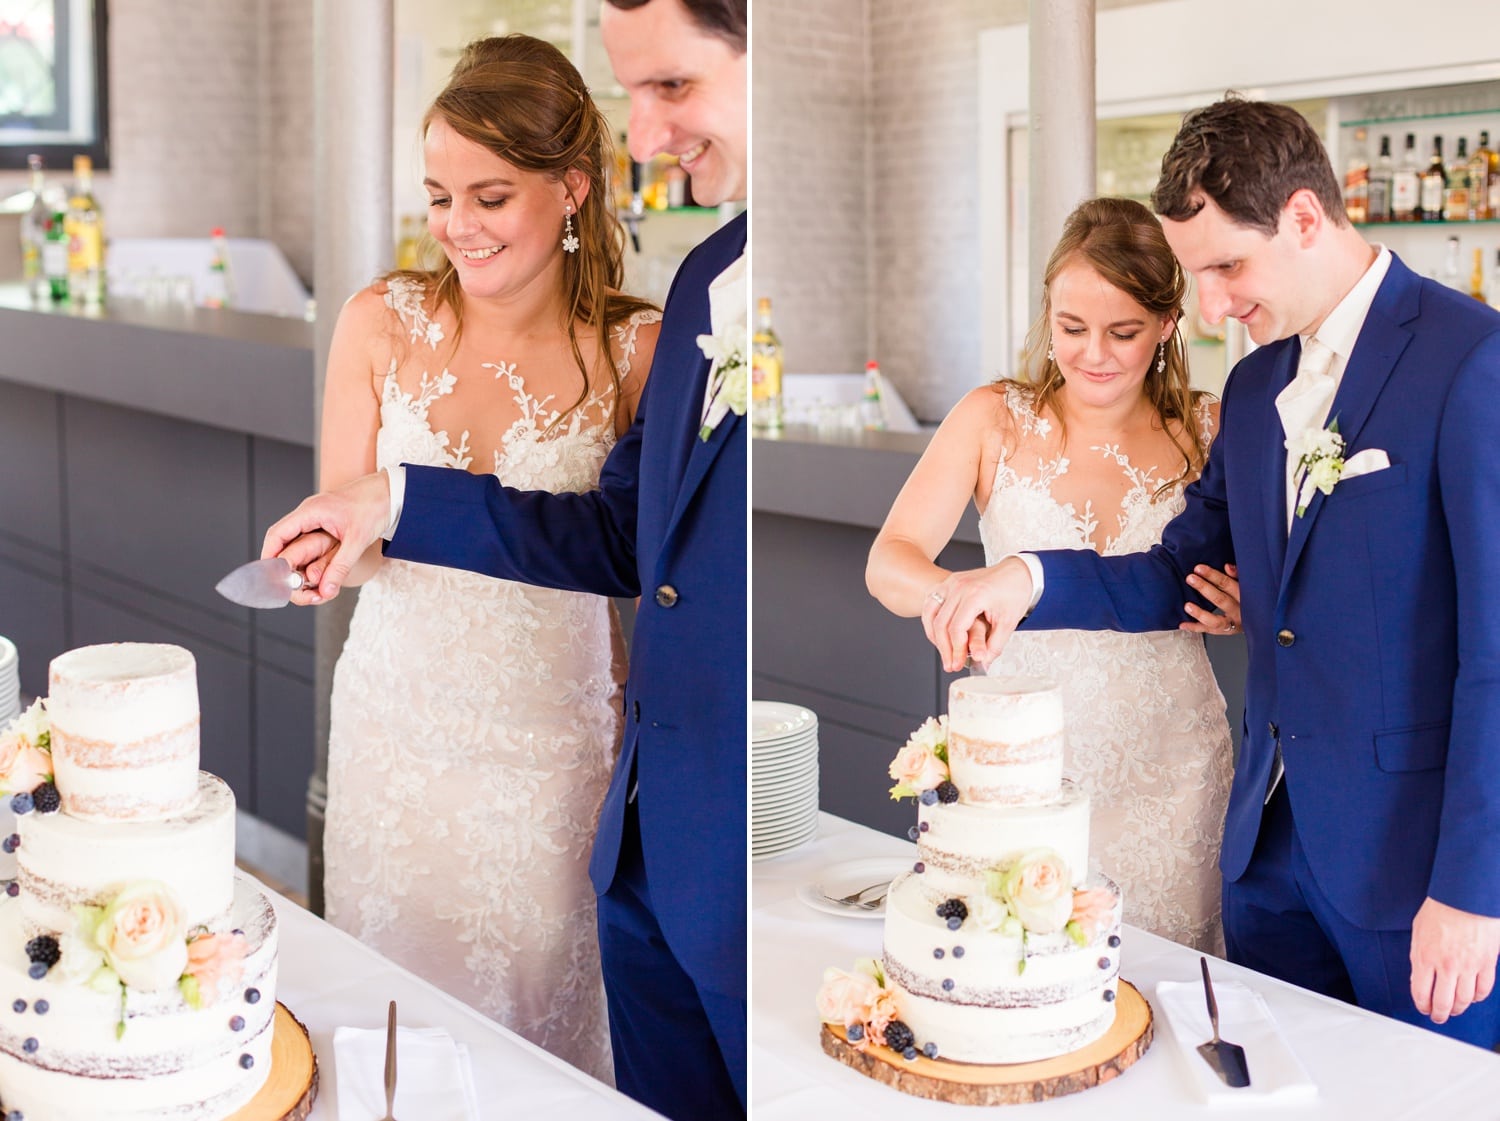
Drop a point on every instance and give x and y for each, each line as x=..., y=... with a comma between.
x=137, y=973
x=1000, y=947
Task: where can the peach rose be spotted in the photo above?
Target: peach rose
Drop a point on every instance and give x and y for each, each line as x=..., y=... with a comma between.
x=215, y=962
x=144, y=936
x=1039, y=891
x=22, y=766
x=1092, y=909
x=847, y=998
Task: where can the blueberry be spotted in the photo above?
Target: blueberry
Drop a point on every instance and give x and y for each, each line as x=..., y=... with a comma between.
x=41, y=1007
x=30, y=1045
x=252, y=996
x=923, y=827
x=21, y=803
x=930, y=1050
x=37, y=970
x=1104, y=963
x=9, y=844
x=937, y=953
x=1114, y=941
x=19, y=1005
x=954, y=922
x=247, y=1061
x=913, y=833
x=15, y=1115
x=1109, y=995
x=856, y=1032
x=958, y=951
x=947, y=984
x=929, y=797
x=919, y=867
x=909, y=1054
x=238, y=933
x=12, y=889
x=236, y=1023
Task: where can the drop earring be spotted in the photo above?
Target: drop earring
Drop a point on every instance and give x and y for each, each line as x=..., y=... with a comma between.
x=1161, y=357
x=570, y=240
x=1049, y=351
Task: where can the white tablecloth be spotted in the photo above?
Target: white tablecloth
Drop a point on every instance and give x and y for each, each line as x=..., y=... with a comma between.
x=328, y=979
x=1366, y=1066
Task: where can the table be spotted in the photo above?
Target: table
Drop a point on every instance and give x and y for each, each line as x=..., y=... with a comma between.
x=1366, y=1066
x=328, y=979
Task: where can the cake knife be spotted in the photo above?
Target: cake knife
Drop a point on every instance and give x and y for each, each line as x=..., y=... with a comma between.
x=261, y=583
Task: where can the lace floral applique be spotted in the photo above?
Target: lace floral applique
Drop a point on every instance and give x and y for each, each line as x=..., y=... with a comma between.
x=406, y=297
x=429, y=389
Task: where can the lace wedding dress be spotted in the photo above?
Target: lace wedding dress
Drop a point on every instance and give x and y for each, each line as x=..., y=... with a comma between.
x=1146, y=731
x=474, y=724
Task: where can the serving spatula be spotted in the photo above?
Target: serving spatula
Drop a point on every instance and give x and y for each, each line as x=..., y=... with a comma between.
x=1227, y=1059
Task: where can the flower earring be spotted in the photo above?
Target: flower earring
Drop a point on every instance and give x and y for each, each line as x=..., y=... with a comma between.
x=1161, y=357
x=1049, y=351
x=570, y=240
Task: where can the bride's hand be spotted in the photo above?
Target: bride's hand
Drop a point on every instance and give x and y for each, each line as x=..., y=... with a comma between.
x=1222, y=589
x=972, y=613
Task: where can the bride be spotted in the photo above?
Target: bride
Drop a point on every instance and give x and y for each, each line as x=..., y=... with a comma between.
x=1092, y=451
x=475, y=722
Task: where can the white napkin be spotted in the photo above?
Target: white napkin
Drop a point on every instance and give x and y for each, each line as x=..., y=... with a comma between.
x=1277, y=1077
x=434, y=1081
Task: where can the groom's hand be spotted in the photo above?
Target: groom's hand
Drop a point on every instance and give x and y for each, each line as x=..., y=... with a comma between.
x=1453, y=957
x=354, y=516
x=974, y=612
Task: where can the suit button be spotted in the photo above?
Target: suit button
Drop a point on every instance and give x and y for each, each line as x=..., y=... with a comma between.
x=1275, y=731
x=1285, y=638
x=666, y=596
x=637, y=712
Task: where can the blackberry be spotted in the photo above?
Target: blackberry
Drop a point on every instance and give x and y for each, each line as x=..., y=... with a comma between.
x=947, y=793
x=21, y=803
x=45, y=799
x=898, y=1037
x=43, y=948
x=952, y=909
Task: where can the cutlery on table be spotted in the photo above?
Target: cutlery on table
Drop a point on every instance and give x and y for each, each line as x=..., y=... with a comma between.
x=1227, y=1059
x=261, y=583
x=855, y=898
x=390, y=1063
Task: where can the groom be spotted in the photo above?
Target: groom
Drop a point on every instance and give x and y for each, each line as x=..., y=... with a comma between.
x=1361, y=851
x=667, y=524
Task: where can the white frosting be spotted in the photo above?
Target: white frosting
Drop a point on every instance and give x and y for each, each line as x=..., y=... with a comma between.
x=994, y=1012
x=124, y=721
x=64, y=861
x=1005, y=739
x=959, y=841
x=173, y=1061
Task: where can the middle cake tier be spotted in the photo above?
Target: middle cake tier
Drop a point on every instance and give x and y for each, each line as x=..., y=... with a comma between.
x=64, y=861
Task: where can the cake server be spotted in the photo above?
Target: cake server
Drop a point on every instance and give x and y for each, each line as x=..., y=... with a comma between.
x=390, y=1063
x=1227, y=1059
x=261, y=583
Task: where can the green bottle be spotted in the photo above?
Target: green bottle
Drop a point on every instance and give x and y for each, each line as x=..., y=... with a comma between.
x=55, y=257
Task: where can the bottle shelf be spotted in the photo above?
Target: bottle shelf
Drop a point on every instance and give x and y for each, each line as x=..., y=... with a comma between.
x=1434, y=226
x=1411, y=118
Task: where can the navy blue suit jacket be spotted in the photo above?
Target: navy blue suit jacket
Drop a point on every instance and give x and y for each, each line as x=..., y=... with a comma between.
x=1373, y=627
x=668, y=523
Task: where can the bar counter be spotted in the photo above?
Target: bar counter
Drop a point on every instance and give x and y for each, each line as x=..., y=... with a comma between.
x=143, y=450
x=818, y=497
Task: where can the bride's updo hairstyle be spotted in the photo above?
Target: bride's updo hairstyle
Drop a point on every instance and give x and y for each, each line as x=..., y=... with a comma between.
x=1121, y=240
x=524, y=101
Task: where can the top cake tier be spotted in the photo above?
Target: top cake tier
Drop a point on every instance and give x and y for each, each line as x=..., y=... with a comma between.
x=124, y=721
x=1005, y=740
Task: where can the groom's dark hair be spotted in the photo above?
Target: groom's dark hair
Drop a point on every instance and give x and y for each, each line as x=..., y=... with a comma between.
x=724, y=18
x=1249, y=157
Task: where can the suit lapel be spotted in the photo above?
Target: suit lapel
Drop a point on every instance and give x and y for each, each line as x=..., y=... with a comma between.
x=1382, y=340
x=1274, y=455
x=699, y=460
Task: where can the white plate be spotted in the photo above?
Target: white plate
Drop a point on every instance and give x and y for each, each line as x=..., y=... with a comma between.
x=842, y=879
x=799, y=749
x=775, y=720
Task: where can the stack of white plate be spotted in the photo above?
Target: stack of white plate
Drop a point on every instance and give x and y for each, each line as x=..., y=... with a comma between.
x=783, y=777
x=10, y=682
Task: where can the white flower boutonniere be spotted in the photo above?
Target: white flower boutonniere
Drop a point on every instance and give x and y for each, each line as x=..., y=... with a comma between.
x=728, y=389
x=1320, y=462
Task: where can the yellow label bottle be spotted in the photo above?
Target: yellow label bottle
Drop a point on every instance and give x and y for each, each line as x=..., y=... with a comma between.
x=765, y=372
x=84, y=227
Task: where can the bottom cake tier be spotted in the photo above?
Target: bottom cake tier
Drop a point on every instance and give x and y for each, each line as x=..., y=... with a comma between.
x=985, y=996
x=63, y=1058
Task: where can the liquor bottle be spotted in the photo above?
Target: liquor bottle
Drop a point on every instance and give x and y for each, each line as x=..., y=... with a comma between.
x=1382, y=177
x=1406, y=187
x=85, y=229
x=55, y=257
x=1357, y=180
x=1451, y=275
x=766, y=367
x=1456, y=194
x=872, y=407
x=1476, y=278
x=408, y=246
x=219, y=291
x=1480, y=185
x=34, y=231
x=1434, y=185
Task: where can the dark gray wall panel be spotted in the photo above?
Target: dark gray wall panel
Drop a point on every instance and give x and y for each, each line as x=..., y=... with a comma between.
x=283, y=477
x=31, y=498
x=284, y=748
x=32, y=616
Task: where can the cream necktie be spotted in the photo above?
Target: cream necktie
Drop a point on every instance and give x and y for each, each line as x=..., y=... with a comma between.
x=1303, y=404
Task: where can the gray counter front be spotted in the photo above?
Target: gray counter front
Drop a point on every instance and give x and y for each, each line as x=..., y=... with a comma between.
x=821, y=640
x=142, y=453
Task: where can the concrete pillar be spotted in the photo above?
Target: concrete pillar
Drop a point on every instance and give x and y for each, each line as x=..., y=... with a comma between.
x=353, y=81
x=1062, y=133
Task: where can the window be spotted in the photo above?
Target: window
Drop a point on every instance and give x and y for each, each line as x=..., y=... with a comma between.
x=52, y=82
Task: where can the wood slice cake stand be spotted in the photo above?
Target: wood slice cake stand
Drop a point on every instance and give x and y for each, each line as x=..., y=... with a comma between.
x=1013, y=1083
x=292, y=1085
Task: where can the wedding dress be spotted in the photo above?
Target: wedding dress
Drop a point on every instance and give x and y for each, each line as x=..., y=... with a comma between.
x=1146, y=731
x=474, y=724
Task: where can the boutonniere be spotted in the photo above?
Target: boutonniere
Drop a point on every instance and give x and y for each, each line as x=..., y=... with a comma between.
x=1320, y=462
x=728, y=385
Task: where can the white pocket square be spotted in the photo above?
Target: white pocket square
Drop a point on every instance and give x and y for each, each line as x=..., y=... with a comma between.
x=1366, y=462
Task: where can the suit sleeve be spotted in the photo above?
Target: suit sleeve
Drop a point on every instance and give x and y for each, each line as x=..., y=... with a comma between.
x=1141, y=591
x=1466, y=866
x=577, y=542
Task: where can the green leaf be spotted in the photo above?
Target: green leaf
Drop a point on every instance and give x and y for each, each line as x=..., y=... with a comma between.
x=941, y=751
x=1075, y=932
x=901, y=790
x=120, y=1027
x=188, y=984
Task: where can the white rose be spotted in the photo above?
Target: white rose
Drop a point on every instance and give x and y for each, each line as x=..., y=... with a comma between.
x=1040, y=891
x=989, y=912
x=144, y=936
x=80, y=960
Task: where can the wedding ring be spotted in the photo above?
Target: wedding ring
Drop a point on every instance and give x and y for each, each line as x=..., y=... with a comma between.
x=1233, y=626
x=936, y=596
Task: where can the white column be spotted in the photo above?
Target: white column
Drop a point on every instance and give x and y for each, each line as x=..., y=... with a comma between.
x=353, y=76
x=1060, y=108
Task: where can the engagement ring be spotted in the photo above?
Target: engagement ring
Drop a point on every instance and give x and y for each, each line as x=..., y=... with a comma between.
x=937, y=597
